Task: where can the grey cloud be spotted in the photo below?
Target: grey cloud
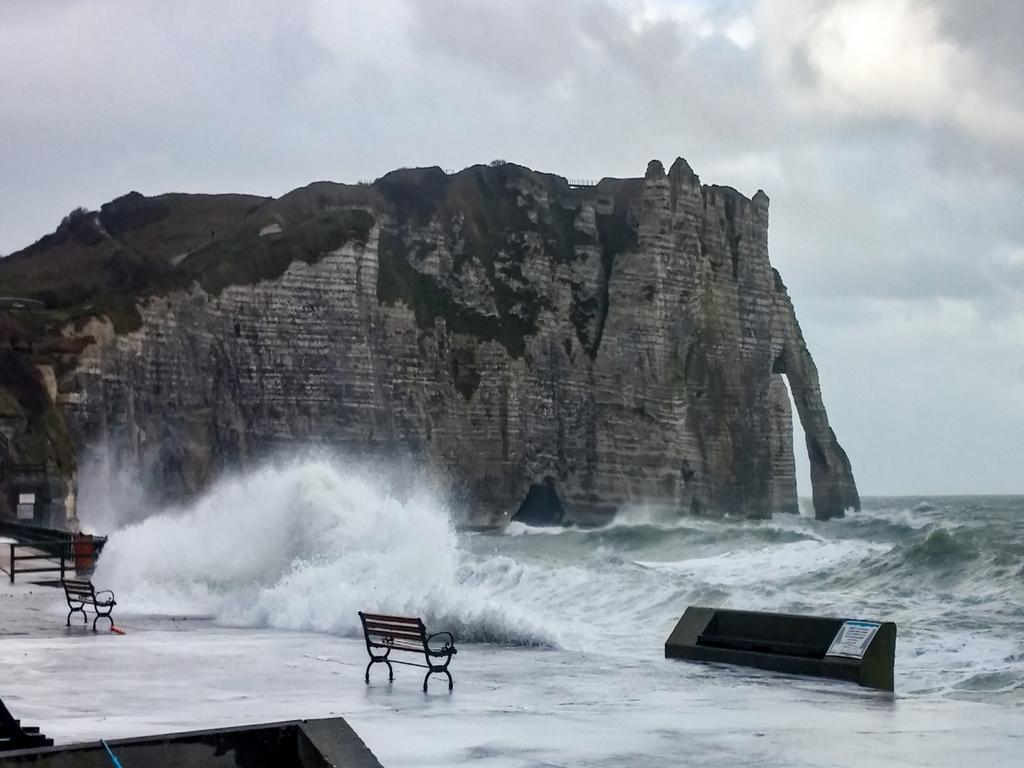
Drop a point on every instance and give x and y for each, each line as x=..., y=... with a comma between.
x=991, y=31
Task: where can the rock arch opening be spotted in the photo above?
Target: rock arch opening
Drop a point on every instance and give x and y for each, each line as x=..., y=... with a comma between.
x=791, y=466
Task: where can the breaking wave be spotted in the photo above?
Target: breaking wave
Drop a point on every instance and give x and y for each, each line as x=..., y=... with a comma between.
x=305, y=545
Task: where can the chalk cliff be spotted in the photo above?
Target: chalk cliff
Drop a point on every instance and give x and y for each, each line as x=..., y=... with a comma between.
x=552, y=351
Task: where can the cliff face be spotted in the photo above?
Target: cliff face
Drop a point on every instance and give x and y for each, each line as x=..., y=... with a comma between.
x=554, y=352
x=37, y=457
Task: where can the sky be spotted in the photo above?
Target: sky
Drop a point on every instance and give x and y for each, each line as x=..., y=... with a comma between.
x=887, y=133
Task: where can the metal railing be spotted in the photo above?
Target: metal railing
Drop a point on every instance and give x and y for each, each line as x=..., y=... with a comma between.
x=57, y=563
x=59, y=551
x=26, y=532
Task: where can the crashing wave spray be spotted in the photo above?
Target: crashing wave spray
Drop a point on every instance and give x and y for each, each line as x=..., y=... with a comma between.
x=305, y=546
x=308, y=544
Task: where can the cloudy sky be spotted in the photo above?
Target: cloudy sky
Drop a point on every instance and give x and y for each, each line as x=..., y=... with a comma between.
x=888, y=134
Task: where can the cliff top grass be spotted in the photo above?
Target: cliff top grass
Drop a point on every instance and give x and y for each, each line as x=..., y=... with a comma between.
x=102, y=262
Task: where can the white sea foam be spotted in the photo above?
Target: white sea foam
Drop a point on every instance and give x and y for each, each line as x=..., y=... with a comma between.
x=516, y=528
x=305, y=546
x=916, y=518
x=109, y=494
x=658, y=516
x=779, y=562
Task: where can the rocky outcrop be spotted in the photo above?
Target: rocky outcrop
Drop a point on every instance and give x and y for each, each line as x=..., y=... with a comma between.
x=577, y=349
x=833, y=487
x=37, y=458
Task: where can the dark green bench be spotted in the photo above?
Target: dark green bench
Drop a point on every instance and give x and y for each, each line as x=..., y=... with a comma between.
x=405, y=633
x=80, y=593
x=791, y=643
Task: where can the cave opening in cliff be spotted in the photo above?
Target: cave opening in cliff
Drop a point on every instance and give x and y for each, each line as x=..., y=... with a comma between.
x=541, y=506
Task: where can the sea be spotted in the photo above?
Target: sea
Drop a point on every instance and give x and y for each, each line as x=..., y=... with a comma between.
x=561, y=629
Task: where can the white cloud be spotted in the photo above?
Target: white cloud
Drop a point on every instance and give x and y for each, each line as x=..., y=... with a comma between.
x=376, y=31
x=882, y=58
x=691, y=17
x=742, y=32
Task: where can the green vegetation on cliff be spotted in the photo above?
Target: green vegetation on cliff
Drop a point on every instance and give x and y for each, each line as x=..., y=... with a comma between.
x=248, y=258
x=101, y=263
x=495, y=218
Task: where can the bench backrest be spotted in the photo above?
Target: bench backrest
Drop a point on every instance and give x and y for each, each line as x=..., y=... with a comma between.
x=813, y=632
x=399, y=632
x=78, y=588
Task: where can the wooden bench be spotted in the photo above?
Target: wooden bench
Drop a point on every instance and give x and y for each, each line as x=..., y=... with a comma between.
x=403, y=633
x=14, y=735
x=80, y=593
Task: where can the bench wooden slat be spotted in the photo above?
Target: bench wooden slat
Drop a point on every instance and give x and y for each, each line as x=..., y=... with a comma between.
x=399, y=643
x=393, y=620
x=394, y=633
x=394, y=630
x=395, y=625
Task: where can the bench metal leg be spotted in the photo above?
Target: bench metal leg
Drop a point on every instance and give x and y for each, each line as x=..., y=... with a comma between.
x=451, y=684
x=99, y=616
x=375, y=660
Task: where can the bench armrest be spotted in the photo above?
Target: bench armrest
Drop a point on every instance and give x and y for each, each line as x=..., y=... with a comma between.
x=106, y=592
x=450, y=643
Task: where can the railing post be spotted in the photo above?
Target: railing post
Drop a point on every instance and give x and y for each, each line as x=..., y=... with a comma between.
x=12, y=563
x=62, y=566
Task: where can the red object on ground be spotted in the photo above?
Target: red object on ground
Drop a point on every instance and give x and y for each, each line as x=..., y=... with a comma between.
x=116, y=630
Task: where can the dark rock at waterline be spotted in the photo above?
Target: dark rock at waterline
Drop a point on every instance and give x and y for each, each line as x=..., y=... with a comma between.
x=610, y=344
